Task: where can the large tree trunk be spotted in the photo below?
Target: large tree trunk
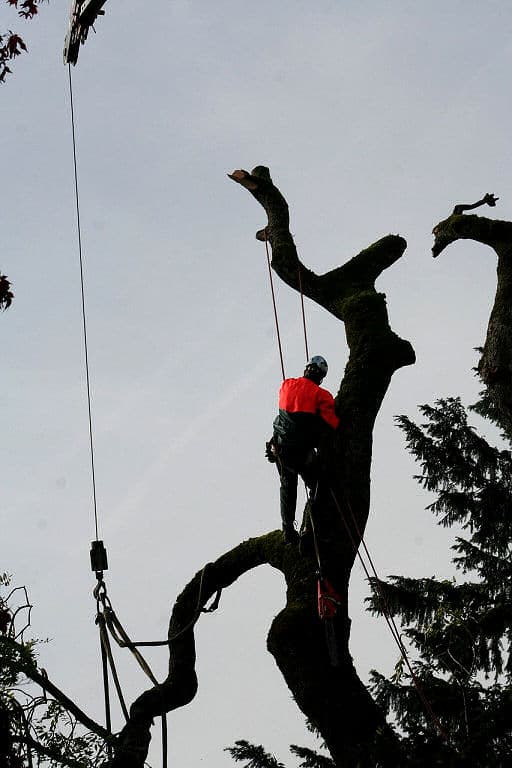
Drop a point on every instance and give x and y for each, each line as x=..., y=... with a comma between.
x=333, y=698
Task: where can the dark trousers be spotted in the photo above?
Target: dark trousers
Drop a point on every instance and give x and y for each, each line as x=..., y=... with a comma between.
x=291, y=463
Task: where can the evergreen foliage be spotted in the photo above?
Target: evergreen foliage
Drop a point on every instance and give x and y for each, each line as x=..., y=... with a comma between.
x=461, y=631
x=252, y=755
x=256, y=756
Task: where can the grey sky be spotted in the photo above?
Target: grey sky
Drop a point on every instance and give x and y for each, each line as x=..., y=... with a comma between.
x=373, y=118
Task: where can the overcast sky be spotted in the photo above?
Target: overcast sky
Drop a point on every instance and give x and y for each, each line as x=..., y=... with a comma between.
x=373, y=118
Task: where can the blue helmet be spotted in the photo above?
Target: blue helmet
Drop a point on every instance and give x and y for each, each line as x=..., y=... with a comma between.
x=318, y=362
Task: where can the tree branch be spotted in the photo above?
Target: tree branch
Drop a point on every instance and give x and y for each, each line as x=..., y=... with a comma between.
x=296, y=640
x=376, y=352
x=487, y=199
x=495, y=366
x=180, y=686
x=53, y=754
x=51, y=688
x=297, y=636
x=328, y=290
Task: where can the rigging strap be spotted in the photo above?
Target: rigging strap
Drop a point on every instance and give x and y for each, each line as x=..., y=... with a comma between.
x=107, y=653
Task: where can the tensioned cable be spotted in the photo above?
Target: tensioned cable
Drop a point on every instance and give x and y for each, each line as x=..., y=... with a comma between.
x=388, y=616
x=105, y=645
x=84, y=322
x=386, y=612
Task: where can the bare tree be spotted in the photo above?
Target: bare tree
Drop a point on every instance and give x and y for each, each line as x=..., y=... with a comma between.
x=327, y=689
x=334, y=699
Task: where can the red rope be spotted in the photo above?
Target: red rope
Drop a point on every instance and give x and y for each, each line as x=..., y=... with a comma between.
x=275, y=309
x=303, y=311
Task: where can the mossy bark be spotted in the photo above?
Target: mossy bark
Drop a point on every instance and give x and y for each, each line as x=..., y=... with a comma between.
x=333, y=698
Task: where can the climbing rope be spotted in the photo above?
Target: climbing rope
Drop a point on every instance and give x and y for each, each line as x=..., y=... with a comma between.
x=389, y=618
x=328, y=599
x=274, y=305
x=303, y=311
x=276, y=319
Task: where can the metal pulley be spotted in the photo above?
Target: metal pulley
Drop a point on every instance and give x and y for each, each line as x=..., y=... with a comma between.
x=99, y=562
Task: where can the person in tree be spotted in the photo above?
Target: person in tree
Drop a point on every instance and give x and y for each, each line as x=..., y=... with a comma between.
x=306, y=412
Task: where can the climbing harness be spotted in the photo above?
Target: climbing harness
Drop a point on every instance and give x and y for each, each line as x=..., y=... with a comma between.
x=328, y=598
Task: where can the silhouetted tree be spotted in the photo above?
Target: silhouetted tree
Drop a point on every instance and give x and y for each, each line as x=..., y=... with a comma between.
x=461, y=630
x=351, y=722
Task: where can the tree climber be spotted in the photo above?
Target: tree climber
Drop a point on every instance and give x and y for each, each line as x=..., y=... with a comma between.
x=306, y=412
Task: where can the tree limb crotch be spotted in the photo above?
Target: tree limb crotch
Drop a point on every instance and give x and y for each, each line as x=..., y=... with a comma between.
x=334, y=700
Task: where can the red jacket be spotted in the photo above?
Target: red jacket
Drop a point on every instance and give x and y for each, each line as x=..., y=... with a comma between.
x=305, y=409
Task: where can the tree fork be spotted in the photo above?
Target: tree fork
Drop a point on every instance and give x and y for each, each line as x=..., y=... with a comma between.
x=376, y=352
x=334, y=700
x=296, y=640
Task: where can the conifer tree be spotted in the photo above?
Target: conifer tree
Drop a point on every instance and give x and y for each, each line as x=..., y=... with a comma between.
x=460, y=630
